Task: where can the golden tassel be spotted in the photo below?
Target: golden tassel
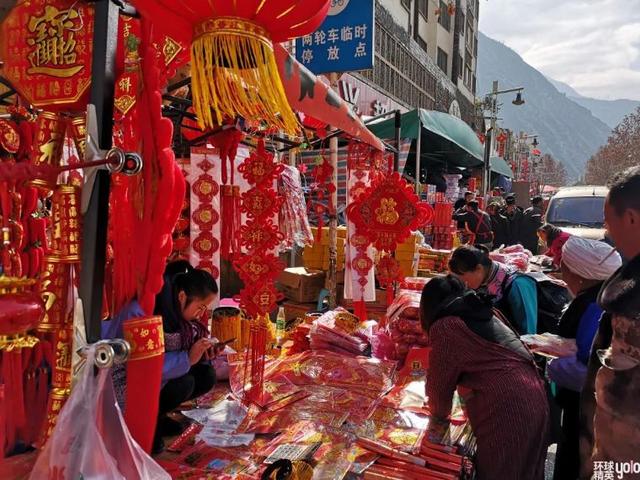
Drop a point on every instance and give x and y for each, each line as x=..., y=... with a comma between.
x=234, y=72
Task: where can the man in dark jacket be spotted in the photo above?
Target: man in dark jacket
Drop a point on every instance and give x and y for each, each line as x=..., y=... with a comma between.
x=515, y=219
x=531, y=222
x=610, y=424
x=499, y=225
x=460, y=209
x=478, y=225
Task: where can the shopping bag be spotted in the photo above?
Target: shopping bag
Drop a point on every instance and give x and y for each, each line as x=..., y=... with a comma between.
x=90, y=440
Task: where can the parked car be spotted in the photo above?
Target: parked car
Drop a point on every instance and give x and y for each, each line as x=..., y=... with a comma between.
x=579, y=211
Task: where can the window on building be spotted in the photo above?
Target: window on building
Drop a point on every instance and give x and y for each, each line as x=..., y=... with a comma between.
x=422, y=43
x=443, y=60
x=406, y=4
x=475, y=47
x=423, y=7
x=460, y=69
x=444, y=19
x=473, y=86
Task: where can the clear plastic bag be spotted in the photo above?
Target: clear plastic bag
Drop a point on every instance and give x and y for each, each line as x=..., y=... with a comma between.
x=91, y=440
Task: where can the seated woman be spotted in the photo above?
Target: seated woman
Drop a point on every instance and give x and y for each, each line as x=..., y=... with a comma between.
x=507, y=406
x=187, y=373
x=586, y=264
x=515, y=295
x=554, y=239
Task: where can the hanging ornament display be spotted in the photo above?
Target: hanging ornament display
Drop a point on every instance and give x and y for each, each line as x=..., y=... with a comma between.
x=236, y=40
x=359, y=276
x=205, y=220
x=24, y=378
x=386, y=213
x=259, y=266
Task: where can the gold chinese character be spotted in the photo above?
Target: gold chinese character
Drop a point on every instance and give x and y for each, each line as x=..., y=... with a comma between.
x=54, y=44
x=125, y=84
x=150, y=345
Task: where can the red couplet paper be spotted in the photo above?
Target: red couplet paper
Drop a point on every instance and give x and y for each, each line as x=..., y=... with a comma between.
x=144, y=376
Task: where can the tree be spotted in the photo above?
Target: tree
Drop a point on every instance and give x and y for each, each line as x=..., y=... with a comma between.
x=550, y=171
x=620, y=151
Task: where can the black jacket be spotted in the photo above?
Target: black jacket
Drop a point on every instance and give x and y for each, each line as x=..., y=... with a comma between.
x=531, y=222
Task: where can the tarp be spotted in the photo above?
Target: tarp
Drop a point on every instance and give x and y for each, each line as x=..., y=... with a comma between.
x=446, y=126
x=310, y=95
x=500, y=166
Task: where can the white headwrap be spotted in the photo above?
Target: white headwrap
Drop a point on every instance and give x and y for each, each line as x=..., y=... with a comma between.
x=590, y=259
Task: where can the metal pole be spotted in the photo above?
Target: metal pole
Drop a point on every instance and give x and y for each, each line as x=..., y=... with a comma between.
x=96, y=217
x=418, y=184
x=333, y=217
x=487, y=161
x=396, y=155
x=490, y=141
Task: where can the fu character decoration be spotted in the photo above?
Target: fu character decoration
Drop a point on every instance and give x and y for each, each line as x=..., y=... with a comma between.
x=386, y=213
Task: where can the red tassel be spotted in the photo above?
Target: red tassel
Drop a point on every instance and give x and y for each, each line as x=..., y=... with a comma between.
x=14, y=394
x=360, y=310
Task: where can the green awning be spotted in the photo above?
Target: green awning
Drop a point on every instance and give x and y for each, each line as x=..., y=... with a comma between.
x=500, y=166
x=448, y=135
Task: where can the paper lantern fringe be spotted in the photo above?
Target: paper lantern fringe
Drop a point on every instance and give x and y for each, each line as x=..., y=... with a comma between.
x=234, y=72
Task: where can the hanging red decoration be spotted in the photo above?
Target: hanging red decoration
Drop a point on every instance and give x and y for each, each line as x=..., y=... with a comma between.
x=205, y=216
x=260, y=266
x=9, y=137
x=236, y=39
x=206, y=244
x=388, y=211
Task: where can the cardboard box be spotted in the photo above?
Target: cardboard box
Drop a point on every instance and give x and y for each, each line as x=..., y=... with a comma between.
x=293, y=310
x=301, y=285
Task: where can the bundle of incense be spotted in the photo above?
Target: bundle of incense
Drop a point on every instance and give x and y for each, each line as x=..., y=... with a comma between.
x=400, y=473
x=387, y=451
x=415, y=469
x=439, y=455
x=437, y=446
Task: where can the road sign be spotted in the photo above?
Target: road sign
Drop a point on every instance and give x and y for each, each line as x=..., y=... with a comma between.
x=344, y=42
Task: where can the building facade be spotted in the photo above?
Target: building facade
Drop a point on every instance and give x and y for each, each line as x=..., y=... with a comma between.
x=426, y=55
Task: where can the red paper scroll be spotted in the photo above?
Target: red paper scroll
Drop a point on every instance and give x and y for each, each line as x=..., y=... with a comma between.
x=205, y=231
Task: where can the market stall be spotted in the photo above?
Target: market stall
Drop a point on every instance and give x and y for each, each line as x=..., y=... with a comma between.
x=116, y=161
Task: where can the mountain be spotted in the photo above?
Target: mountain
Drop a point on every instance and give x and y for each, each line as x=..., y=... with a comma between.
x=564, y=88
x=610, y=112
x=568, y=131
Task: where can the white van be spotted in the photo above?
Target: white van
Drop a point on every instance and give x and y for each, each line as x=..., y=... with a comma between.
x=579, y=211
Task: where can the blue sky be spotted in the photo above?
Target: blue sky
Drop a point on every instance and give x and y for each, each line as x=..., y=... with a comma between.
x=592, y=45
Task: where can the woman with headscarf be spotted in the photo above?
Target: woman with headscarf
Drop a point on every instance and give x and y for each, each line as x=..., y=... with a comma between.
x=515, y=295
x=586, y=264
x=506, y=404
x=554, y=239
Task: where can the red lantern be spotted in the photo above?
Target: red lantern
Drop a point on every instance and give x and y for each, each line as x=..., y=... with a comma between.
x=233, y=67
x=47, y=52
x=9, y=137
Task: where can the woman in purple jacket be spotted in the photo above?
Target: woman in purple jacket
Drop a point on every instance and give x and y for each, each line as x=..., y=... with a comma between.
x=187, y=373
x=586, y=264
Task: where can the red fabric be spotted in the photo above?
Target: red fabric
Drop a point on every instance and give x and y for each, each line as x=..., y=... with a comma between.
x=555, y=251
x=508, y=410
x=148, y=206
